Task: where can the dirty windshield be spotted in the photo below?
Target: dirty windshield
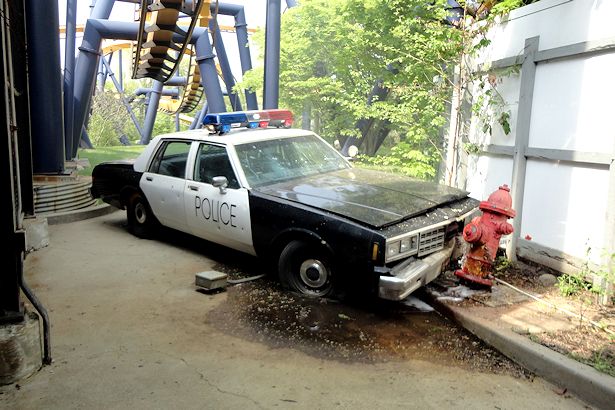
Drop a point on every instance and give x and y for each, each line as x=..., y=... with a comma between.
x=267, y=162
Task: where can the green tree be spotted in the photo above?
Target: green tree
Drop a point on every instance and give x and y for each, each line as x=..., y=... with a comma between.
x=333, y=52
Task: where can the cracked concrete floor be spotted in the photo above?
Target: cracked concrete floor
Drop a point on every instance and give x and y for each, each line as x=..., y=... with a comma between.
x=130, y=331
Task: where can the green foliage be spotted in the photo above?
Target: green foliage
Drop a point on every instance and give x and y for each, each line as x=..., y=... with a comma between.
x=333, y=52
x=109, y=120
x=570, y=284
x=104, y=154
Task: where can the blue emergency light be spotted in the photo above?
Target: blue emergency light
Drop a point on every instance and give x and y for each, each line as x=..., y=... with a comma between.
x=221, y=123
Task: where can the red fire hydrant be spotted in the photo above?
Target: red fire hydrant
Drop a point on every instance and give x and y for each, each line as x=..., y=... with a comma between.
x=484, y=233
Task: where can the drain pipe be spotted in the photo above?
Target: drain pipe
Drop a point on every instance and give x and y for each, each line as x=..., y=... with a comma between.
x=41, y=311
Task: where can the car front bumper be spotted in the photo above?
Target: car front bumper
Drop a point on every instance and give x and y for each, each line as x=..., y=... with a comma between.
x=410, y=275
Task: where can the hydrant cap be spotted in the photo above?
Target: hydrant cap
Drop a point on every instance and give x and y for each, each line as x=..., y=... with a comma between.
x=499, y=201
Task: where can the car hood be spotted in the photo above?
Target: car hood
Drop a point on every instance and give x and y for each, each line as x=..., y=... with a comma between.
x=371, y=197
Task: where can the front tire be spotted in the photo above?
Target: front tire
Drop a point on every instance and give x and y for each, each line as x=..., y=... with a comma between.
x=141, y=221
x=306, y=269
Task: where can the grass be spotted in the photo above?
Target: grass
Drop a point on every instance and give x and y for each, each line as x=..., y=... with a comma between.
x=104, y=154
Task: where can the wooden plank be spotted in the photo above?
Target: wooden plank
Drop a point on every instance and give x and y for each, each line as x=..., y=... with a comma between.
x=549, y=257
x=503, y=150
x=569, y=156
x=522, y=137
x=582, y=49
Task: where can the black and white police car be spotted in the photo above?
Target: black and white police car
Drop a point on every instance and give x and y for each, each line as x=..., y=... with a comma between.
x=288, y=196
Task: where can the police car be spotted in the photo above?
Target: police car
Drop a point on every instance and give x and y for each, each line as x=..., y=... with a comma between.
x=248, y=182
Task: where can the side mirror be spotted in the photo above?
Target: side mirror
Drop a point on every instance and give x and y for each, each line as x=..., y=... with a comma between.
x=220, y=182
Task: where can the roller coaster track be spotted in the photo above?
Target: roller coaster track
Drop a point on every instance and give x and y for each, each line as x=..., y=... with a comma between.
x=157, y=54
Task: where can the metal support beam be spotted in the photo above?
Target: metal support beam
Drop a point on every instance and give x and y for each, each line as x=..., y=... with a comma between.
x=522, y=137
x=120, y=70
x=271, y=83
x=225, y=67
x=209, y=74
x=69, y=69
x=241, y=31
x=85, y=68
x=176, y=117
x=176, y=81
x=150, y=114
x=45, y=87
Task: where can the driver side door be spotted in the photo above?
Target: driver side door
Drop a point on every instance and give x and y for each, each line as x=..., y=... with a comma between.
x=220, y=215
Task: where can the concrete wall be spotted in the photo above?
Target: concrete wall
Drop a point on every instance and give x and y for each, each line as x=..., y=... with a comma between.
x=565, y=170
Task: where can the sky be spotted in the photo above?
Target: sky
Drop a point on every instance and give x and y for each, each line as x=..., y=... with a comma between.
x=255, y=11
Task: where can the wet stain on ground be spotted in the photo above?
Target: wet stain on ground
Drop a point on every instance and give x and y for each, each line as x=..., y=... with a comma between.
x=261, y=311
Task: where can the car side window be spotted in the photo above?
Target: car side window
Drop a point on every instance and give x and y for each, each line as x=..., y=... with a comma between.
x=212, y=161
x=171, y=159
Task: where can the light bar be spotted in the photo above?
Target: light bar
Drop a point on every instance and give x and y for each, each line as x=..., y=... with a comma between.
x=222, y=123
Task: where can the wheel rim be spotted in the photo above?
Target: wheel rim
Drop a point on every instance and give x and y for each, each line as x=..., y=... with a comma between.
x=140, y=213
x=314, y=276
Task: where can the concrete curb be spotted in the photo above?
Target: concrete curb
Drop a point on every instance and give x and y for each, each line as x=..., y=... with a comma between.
x=79, y=214
x=595, y=388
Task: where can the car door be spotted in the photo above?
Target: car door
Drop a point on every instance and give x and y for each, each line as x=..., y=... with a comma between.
x=220, y=215
x=164, y=183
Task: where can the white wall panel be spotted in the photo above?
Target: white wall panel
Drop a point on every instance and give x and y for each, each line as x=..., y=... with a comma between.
x=565, y=206
x=486, y=174
x=573, y=105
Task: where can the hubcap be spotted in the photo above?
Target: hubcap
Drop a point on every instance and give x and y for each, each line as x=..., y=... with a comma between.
x=140, y=213
x=313, y=273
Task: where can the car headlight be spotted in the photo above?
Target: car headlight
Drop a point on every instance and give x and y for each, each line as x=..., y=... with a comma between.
x=393, y=249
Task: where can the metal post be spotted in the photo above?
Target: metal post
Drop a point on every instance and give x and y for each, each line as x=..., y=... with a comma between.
x=522, y=137
x=225, y=67
x=45, y=87
x=176, y=122
x=150, y=114
x=271, y=84
x=120, y=70
x=196, y=119
x=305, y=118
x=241, y=31
x=209, y=75
x=69, y=80
x=118, y=87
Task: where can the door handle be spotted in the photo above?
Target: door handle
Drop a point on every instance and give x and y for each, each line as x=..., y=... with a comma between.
x=149, y=178
x=193, y=187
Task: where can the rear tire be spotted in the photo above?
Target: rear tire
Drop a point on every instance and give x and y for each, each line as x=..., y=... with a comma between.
x=141, y=221
x=306, y=269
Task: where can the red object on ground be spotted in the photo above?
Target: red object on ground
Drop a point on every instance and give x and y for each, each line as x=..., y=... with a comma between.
x=484, y=233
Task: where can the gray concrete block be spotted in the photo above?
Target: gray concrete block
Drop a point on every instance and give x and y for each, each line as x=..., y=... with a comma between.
x=37, y=233
x=20, y=349
x=211, y=280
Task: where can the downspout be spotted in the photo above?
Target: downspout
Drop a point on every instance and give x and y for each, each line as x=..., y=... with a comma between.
x=271, y=83
x=227, y=74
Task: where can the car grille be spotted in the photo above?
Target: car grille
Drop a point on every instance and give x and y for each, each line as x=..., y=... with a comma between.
x=431, y=240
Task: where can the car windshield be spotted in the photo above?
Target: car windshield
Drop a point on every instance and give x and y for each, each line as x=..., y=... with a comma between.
x=271, y=161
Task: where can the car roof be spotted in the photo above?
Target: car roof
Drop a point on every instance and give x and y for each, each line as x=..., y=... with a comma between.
x=237, y=136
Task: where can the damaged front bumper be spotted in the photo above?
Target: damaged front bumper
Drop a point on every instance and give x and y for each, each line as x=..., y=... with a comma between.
x=410, y=275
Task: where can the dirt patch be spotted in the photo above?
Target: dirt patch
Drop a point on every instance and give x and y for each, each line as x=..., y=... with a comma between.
x=329, y=329
x=583, y=342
